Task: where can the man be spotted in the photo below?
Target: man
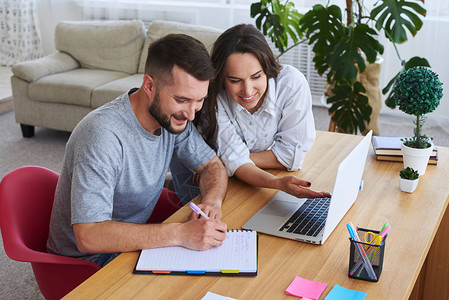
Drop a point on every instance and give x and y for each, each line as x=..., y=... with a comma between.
x=117, y=158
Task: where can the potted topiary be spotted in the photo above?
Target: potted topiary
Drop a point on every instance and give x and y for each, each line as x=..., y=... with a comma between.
x=417, y=91
x=408, y=180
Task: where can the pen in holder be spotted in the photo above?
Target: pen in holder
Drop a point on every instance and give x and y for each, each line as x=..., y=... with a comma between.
x=374, y=250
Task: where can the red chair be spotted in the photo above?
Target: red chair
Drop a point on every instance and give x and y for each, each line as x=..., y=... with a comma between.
x=26, y=200
x=167, y=205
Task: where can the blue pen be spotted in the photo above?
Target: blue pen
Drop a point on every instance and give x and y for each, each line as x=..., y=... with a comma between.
x=366, y=262
x=354, y=238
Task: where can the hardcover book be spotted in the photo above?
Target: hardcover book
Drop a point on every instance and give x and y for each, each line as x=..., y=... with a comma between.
x=390, y=145
x=398, y=158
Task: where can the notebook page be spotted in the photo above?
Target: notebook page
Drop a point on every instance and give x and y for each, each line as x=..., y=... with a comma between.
x=238, y=252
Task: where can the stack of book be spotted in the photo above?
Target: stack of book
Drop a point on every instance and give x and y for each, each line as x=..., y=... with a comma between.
x=389, y=149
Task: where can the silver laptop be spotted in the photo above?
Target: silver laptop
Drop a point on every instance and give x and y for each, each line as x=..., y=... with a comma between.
x=313, y=220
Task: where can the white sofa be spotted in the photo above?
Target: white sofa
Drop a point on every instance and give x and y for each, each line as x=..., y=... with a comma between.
x=96, y=61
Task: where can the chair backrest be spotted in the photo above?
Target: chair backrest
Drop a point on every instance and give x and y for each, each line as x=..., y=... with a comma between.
x=167, y=205
x=26, y=201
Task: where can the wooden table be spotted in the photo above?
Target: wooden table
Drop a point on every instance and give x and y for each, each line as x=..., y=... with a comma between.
x=409, y=258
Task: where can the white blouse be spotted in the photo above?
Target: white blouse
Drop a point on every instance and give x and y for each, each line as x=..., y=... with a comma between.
x=283, y=123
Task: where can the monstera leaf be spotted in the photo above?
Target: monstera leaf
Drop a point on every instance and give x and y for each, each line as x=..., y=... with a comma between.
x=350, y=109
x=279, y=23
x=337, y=47
x=348, y=51
x=323, y=27
x=395, y=16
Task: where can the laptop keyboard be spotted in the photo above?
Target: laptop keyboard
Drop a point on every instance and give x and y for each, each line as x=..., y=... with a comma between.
x=309, y=219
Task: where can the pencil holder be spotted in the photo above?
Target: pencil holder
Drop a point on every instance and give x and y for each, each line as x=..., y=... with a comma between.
x=359, y=268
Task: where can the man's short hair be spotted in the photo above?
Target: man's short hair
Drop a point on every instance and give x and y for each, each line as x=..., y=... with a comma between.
x=182, y=50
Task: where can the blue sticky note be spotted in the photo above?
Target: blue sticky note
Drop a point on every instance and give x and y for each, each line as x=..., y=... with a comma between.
x=340, y=293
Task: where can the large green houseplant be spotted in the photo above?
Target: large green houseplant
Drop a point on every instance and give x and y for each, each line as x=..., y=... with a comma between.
x=342, y=50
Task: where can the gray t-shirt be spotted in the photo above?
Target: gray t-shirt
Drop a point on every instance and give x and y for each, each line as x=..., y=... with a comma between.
x=114, y=170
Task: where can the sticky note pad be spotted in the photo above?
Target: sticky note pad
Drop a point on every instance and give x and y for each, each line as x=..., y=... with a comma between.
x=339, y=292
x=301, y=287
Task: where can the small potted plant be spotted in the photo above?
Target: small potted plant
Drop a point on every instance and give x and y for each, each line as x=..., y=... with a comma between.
x=408, y=180
x=417, y=92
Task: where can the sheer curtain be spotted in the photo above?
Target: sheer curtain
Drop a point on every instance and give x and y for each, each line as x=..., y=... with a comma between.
x=19, y=32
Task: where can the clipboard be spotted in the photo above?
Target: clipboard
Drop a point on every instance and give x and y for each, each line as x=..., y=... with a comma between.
x=237, y=256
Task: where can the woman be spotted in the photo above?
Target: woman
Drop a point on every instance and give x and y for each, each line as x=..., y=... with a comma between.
x=258, y=115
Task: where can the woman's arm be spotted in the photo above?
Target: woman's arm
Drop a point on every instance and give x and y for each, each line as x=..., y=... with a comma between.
x=231, y=149
x=257, y=177
x=296, y=128
x=266, y=160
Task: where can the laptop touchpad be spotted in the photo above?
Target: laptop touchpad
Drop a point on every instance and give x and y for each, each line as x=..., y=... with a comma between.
x=279, y=208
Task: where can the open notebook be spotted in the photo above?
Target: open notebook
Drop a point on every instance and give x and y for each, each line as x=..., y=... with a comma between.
x=236, y=256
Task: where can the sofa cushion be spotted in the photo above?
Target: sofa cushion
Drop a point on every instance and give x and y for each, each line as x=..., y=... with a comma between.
x=107, y=45
x=157, y=29
x=112, y=90
x=72, y=87
x=32, y=70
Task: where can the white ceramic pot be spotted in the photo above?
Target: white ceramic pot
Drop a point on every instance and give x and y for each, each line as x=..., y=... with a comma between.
x=407, y=185
x=415, y=158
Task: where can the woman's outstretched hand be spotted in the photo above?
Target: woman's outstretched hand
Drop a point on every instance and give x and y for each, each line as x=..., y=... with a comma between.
x=299, y=188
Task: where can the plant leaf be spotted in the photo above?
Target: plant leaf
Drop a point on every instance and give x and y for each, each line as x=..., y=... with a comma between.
x=416, y=61
x=350, y=109
x=347, y=52
x=256, y=8
x=390, y=15
x=323, y=27
x=278, y=21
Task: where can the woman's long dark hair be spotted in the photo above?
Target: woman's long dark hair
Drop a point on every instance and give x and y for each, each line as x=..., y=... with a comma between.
x=242, y=38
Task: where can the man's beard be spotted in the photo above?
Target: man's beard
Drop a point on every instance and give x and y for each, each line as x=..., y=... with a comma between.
x=163, y=119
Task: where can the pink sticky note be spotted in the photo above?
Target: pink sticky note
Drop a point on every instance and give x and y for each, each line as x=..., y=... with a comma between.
x=301, y=287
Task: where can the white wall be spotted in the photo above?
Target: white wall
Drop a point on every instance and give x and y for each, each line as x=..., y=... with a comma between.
x=432, y=43
x=50, y=12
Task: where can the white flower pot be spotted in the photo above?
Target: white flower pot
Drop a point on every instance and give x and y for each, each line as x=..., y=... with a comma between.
x=408, y=186
x=415, y=158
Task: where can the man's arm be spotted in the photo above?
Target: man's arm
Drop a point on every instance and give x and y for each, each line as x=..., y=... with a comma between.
x=213, y=185
x=112, y=236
